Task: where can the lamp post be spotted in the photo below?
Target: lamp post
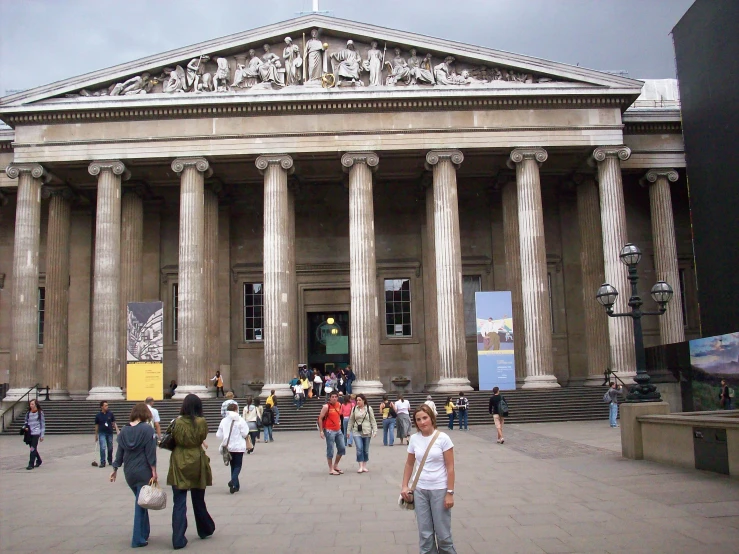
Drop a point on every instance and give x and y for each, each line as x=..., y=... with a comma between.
x=643, y=390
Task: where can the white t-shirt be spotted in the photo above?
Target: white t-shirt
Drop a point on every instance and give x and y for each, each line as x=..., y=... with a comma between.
x=154, y=414
x=433, y=476
x=403, y=407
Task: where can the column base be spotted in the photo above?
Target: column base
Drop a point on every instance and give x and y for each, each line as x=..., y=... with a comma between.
x=594, y=381
x=453, y=384
x=13, y=395
x=198, y=390
x=368, y=387
x=105, y=393
x=540, y=382
x=281, y=390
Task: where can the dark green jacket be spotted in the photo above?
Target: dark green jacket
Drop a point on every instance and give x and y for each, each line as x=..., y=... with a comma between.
x=189, y=466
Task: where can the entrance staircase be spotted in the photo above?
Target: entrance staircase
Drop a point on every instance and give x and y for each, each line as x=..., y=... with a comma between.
x=565, y=404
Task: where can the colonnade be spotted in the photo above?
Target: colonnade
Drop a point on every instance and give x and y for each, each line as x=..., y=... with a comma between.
x=118, y=274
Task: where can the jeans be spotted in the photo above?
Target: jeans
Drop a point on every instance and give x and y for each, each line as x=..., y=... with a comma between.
x=140, y=521
x=349, y=386
x=344, y=425
x=334, y=437
x=388, y=431
x=35, y=459
x=463, y=419
x=316, y=390
x=298, y=399
x=268, y=433
x=434, y=522
x=451, y=421
x=362, y=447
x=236, y=460
x=276, y=410
x=106, y=440
x=204, y=523
x=613, y=413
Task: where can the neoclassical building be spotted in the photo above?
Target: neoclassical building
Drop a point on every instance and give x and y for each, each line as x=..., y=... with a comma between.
x=330, y=197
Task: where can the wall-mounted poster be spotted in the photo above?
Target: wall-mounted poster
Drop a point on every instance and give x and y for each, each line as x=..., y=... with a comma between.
x=713, y=359
x=496, y=366
x=144, y=351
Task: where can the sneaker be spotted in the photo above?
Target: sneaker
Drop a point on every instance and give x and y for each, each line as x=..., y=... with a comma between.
x=502, y=441
x=101, y=466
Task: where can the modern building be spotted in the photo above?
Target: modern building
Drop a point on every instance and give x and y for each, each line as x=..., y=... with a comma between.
x=356, y=181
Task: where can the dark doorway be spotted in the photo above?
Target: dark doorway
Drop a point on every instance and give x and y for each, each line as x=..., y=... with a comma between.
x=328, y=340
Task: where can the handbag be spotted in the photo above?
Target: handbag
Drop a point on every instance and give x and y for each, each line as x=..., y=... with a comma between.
x=151, y=497
x=411, y=505
x=167, y=441
x=224, y=449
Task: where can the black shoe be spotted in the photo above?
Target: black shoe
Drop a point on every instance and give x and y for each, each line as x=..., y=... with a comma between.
x=29, y=466
x=145, y=543
x=38, y=463
x=231, y=488
x=101, y=466
x=230, y=483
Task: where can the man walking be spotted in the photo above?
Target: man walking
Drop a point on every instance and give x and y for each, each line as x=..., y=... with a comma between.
x=104, y=425
x=329, y=427
x=498, y=416
x=226, y=403
x=613, y=394
x=462, y=405
x=154, y=417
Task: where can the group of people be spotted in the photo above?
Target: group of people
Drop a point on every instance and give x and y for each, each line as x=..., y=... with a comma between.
x=311, y=383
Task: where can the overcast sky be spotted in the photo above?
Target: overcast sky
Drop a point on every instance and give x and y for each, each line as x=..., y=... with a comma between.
x=42, y=41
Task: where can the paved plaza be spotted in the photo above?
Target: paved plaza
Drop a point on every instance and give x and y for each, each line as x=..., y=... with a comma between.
x=555, y=487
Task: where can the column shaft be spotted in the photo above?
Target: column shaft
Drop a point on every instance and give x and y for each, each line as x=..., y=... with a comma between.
x=292, y=281
x=106, y=359
x=24, y=304
x=593, y=275
x=450, y=303
x=364, y=335
x=534, y=284
x=613, y=221
x=671, y=326
x=212, y=323
x=513, y=274
x=429, y=298
x=132, y=266
x=56, y=321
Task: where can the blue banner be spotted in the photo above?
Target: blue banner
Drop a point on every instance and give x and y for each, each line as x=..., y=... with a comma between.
x=495, y=362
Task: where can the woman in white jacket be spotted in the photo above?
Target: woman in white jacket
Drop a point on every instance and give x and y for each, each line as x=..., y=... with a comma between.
x=235, y=426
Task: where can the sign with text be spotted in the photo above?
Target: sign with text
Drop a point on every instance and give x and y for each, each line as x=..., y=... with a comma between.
x=495, y=360
x=144, y=351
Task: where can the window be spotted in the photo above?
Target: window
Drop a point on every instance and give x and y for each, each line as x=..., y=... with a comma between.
x=41, y=307
x=174, y=311
x=470, y=285
x=253, y=311
x=551, y=300
x=398, y=307
x=681, y=276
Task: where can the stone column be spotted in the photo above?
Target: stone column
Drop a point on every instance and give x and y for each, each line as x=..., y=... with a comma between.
x=429, y=296
x=613, y=221
x=534, y=285
x=671, y=326
x=449, y=300
x=292, y=277
x=278, y=346
x=191, y=313
x=593, y=275
x=56, y=318
x=132, y=265
x=513, y=274
x=106, y=300
x=212, y=320
x=24, y=303
x=364, y=335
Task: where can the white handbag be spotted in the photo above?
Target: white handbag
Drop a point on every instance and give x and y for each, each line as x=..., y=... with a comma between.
x=152, y=497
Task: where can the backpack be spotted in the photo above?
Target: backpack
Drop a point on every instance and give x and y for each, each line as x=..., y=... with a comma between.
x=607, y=397
x=731, y=393
x=503, y=407
x=268, y=417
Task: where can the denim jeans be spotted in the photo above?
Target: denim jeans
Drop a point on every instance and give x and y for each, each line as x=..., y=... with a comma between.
x=613, y=413
x=463, y=419
x=236, y=460
x=451, y=421
x=337, y=438
x=344, y=425
x=434, y=522
x=388, y=431
x=267, y=433
x=106, y=440
x=140, y=521
x=362, y=444
x=299, y=400
x=204, y=523
x=276, y=410
x=349, y=386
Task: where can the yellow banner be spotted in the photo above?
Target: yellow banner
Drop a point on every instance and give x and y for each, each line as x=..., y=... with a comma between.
x=144, y=379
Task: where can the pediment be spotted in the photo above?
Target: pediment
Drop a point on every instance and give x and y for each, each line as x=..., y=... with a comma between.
x=341, y=57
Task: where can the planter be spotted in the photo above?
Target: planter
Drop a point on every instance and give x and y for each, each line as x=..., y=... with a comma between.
x=401, y=382
x=256, y=387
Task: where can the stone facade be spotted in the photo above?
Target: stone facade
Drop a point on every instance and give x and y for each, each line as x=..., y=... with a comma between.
x=319, y=194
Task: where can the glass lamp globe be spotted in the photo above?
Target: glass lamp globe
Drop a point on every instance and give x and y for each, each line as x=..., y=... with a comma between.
x=607, y=295
x=630, y=254
x=661, y=293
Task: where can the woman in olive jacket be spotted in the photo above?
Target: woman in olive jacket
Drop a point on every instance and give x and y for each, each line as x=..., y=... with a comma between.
x=189, y=469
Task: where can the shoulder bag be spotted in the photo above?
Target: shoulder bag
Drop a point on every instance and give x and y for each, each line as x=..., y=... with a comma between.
x=151, y=497
x=224, y=447
x=167, y=441
x=403, y=503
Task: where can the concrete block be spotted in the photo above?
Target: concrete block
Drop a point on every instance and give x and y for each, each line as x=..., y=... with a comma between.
x=631, y=433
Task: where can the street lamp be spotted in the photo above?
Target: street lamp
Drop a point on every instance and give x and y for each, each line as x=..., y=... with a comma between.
x=662, y=293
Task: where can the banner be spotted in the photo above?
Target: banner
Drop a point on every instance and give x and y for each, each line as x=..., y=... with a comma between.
x=495, y=361
x=144, y=351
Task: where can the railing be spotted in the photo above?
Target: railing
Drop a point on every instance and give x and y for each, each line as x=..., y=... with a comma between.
x=11, y=410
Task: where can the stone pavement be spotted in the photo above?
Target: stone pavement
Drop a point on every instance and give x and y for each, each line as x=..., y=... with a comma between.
x=559, y=487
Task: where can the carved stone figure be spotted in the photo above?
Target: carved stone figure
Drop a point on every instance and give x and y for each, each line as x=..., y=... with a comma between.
x=444, y=72
x=373, y=64
x=177, y=80
x=239, y=76
x=220, y=79
x=196, y=77
x=269, y=71
x=347, y=65
x=421, y=72
x=251, y=72
x=314, y=57
x=293, y=62
x=135, y=85
x=401, y=72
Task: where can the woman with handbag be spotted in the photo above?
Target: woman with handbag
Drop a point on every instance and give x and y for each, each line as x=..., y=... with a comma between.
x=189, y=469
x=232, y=431
x=137, y=453
x=252, y=417
x=363, y=426
x=431, y=493
x=33, y=431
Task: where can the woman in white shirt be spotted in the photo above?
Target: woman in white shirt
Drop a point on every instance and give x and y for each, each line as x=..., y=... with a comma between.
x=403, y=419
x=251, y=413
x=434, y=492
x=233, y=431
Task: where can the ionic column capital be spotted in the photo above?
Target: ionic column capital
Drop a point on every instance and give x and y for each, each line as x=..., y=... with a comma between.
x=433, y=157
x=653, y=174
x=518, y=155
x=199, y=163
x=370, y=159
x=37, y=171
x=117, y=167
x=64, y=192
x=623, y=153
x=285, y=161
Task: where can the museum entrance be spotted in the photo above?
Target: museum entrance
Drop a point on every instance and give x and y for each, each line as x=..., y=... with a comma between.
x=328, y=340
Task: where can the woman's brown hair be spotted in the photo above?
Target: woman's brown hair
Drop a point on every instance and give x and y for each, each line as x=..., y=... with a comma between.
x=140, y=412
x=426, y=409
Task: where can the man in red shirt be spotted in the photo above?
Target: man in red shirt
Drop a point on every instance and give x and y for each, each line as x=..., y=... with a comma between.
x=329, y=427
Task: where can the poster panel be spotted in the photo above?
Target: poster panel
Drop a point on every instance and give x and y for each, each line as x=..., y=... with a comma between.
x=494, y=319
x=144, y=350
x=711, y=360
